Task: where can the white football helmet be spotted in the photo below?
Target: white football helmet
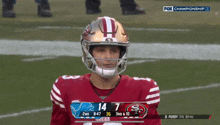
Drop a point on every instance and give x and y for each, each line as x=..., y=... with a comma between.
x=105, y=31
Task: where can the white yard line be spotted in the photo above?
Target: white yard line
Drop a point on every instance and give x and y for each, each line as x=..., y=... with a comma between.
x=47, y=57
x=162, y=92
x=214, y=85
x=82, y=28
x=37, y=59
x=136, y=50
x=25, y=112
x=158, y=29
x=141, y=61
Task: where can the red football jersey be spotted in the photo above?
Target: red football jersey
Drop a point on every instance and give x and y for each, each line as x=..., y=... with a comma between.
x=67, y=89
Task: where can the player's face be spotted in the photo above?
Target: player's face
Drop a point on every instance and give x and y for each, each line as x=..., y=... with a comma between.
x=106, y=52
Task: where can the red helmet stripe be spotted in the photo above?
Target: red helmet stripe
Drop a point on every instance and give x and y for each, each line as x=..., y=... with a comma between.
x=113, y=28
x=104, y=27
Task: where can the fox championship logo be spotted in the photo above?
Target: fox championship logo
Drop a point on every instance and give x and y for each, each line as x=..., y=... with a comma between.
x=138, y=110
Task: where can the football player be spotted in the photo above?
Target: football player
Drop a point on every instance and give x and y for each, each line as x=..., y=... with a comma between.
x=8, y=8
x=128, y=7
x=105, y=47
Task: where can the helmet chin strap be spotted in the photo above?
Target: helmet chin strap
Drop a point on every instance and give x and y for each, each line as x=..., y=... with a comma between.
x=107, y=73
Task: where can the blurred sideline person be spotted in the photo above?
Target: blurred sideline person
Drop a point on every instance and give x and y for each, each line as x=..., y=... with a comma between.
x=105, y=45
x=129, y=7
x=43, y=8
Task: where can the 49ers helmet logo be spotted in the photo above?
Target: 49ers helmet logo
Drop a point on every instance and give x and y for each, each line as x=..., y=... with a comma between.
x=138, y=109
x=87, y=30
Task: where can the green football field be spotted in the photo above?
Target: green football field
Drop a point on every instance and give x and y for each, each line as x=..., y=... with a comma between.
x=179, y=50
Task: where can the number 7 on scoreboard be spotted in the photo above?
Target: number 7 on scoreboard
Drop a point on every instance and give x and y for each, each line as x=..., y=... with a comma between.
x=117, y=106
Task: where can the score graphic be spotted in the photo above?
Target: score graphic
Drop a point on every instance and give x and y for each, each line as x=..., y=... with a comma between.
x=88, y=110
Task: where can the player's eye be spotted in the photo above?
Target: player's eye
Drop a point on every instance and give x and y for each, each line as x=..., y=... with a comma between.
x=115, y=49
x=101, y=50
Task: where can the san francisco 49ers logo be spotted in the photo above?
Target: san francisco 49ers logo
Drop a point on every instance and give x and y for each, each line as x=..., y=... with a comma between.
x=139, y=110
x=87, y=30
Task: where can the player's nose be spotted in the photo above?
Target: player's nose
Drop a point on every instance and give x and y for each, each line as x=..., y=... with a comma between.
x=107, y=54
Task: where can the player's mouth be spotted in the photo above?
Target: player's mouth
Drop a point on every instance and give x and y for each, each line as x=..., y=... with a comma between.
x=108, y=66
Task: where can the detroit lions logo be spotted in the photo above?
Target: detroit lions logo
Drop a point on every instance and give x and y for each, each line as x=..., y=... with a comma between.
x=78, y=107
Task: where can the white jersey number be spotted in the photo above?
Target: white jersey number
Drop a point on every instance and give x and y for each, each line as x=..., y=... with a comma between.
x=70, y=77
x=148, y=79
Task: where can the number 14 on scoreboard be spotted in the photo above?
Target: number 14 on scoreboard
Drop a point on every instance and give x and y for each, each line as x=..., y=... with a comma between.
x=109, y=106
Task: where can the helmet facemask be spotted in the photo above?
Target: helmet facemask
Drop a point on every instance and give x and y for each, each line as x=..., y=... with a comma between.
x=92, y=65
